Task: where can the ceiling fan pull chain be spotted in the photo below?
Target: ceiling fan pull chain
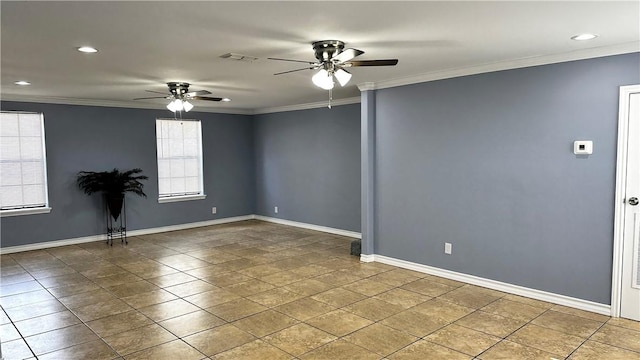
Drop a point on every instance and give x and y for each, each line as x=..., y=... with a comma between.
x=330, y=97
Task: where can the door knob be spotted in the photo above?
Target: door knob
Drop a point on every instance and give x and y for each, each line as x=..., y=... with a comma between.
x=633, y=201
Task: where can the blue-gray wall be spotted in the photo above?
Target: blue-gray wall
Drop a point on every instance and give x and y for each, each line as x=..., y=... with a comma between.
x=102, y=138
x=485, y=162
x=308, y=165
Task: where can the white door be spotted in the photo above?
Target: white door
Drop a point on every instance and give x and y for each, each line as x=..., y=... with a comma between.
x=630, y=299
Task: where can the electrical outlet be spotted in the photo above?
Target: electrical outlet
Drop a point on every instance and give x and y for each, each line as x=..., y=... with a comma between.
x=275, y=209
x=214, y=210
x=447, y=248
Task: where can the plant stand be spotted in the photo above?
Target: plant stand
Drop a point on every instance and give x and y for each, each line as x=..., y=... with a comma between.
x=117, y=228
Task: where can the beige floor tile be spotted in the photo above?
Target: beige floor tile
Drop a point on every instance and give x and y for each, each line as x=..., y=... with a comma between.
x=172, y=350
x=380, y=339
x=425, y=350
x=471, y=296
x=94, y=350
x=182, y=262
x=101, y=309
x=249, y=287
x=115, y=324
x=397, y=277
x=490, y=324
x=340, y=350
x=414, y=323
x=256, y=349
x=299, y=339
x=281, y=278
x=442, y=310
x=190, y=288
x=592, y=350
x=61, y=338
x=265, y=323
x=308, y=287
x=116, y=279
x=45, y=323
x=139, y=339
x=368, y=287
x=191, y=323
x=132, y=288
x=428, y=288
x=16, y=349
x=404, y=298
x=64, y=291
x=568, y=324
x=224, y=279
x=260, y=270
x=552, y=341
x=338, y=297
x=463, y=339
x=168, y=310
x=171, y=279
x=618, y=336
x=529, y=301
x=87, y=298
x=304, y=309
x=625, y=323
x=212, y=298
x=27, y=298
x=63, y=280
x=28, y=311
x=275, y=297
x=236, y=309
x=311, y=270
x=513, y=310
x=338, y=278
x=339, y=322
x=149, y=298
x=219, y=339
x=373, y=309
x=507, y=350
x=8, y=332
x=19, y=288
x=581, y=313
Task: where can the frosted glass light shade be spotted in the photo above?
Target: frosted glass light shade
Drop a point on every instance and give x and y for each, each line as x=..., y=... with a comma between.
x=323, y=80
x=187, y=106
x=343, y=77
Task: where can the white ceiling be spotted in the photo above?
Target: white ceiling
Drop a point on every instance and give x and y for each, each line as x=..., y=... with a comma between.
x=145, y=44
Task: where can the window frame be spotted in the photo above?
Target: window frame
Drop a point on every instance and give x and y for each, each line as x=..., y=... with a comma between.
x=189, y=197
x=46, y=208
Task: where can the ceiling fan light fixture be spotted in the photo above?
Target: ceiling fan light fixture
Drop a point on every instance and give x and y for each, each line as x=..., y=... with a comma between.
x=323, y=79
x=187, y=106
x=343, y=76
x=175, y=105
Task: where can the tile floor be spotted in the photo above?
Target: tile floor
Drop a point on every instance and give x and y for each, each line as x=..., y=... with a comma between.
x=255, y=290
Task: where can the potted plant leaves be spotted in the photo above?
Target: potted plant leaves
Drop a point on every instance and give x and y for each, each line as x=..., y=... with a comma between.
x=114, y=185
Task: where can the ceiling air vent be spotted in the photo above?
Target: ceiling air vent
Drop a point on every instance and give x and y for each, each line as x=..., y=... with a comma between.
x=238, y=57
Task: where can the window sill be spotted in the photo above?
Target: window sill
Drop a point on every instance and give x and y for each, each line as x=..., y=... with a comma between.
x=20, y=212
x=170, y=199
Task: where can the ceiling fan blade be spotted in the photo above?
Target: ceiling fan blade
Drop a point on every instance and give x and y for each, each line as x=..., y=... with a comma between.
x=156, y=92
x=348, y=54
x=155, y=97
x=290, y=71
x=300, y=61
x=206, y=98
x=198, y=93
x=387, y=62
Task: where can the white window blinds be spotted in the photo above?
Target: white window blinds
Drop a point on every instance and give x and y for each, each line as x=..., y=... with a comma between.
x=179, y=148
x=23, y=180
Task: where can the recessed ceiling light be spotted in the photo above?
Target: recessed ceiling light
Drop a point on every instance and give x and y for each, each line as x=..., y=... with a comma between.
x=582, y=37
x=22, y=82
x=87, y=49
x=226, y=99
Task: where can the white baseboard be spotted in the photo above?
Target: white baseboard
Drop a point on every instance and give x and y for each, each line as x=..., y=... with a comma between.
x=493, y=284
x=139, y=232
x=326, y=229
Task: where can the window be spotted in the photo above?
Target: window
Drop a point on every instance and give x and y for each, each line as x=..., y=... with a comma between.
x=179, y=150
x=23, y=168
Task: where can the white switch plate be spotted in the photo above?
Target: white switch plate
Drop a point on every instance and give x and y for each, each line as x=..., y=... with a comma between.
x=447, y=248
x=583, y=147
x=275, y=209
x=214, y=210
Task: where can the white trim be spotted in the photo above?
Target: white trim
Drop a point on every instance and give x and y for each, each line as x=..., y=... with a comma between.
x=26, y=211
x=307, y=106
x=583, y=54
x=498, y=285
x=326, y=229
x=367, y=86
x=621, y=175
x=92, y=238
x=367, y=258
x=170, y=199
x=111, y=103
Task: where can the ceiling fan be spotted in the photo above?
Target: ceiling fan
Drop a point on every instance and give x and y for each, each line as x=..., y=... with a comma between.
x=333, y=58
x=179, y=96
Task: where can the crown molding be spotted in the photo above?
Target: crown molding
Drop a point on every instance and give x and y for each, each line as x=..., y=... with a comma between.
x=307, y=106
x=626, y=48
x=110, y=103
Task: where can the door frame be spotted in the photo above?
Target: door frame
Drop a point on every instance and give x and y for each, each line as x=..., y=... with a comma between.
x=621, y=187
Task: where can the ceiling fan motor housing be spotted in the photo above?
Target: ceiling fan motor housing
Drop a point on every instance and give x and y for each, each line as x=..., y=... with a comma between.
x=325, y=50
x=178, y=88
